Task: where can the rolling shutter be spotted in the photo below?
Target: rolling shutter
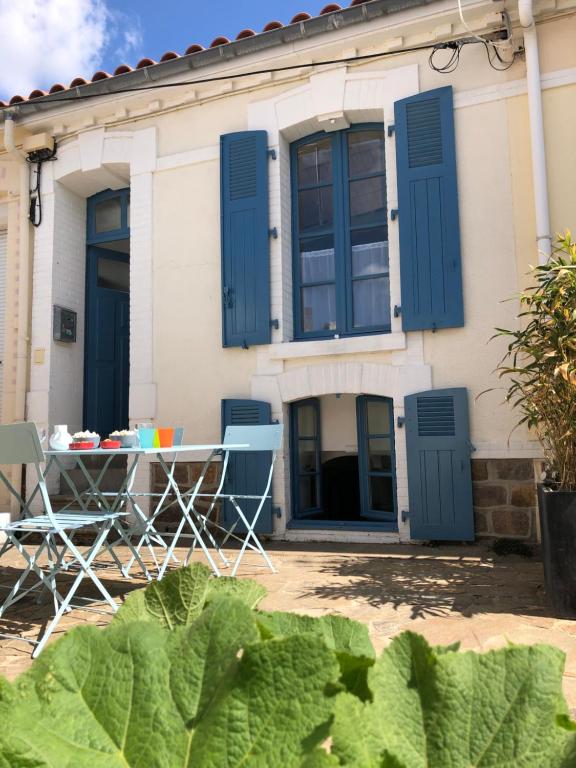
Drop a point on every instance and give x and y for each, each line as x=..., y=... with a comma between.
x=245, y=239
x=430, y=265
x=439, y=472
x=247, y=472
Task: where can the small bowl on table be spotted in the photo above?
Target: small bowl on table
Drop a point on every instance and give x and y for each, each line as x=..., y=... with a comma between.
x=110, y=445
x=129, y=440
x=87, y=437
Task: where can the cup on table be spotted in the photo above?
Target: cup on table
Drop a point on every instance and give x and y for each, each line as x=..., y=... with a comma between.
x=178, y=435
x=146, y=436
x=165, y=437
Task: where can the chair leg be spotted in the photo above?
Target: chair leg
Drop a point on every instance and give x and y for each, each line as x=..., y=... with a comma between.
x=249, y=535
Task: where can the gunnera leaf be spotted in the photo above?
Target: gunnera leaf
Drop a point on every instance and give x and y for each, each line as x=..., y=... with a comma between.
x=182, y=595
x=136, y=695
x=464, y=710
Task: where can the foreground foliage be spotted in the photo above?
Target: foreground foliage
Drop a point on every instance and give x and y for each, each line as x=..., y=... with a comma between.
x=540, y=362
x=190, y=674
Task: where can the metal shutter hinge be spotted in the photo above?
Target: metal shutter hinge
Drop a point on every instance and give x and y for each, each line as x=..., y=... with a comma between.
x=273, y=233
x=401, y=421
x=272, y=154
x=405, y=515
x=275, y=324
x=391, y=130
x=397, y=310
x=394, y=213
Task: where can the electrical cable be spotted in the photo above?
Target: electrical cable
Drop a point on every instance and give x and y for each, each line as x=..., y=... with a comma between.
x=495, y=59
x=39, y=157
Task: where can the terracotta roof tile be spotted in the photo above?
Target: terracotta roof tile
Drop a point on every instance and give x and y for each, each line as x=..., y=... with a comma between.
x=191, y=50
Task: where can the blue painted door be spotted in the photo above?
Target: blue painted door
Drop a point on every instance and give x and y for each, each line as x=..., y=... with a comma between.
x=107, y=340
x=247, y=472
x=376, y=460
x=439, y=473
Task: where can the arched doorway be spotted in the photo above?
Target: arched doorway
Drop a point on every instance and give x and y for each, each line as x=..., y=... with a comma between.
x=107, y=339
x=343, y=465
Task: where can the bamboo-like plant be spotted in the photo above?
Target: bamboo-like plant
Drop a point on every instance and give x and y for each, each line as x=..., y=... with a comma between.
x=540, y=362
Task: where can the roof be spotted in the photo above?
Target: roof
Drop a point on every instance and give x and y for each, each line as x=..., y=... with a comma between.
x=148, y=65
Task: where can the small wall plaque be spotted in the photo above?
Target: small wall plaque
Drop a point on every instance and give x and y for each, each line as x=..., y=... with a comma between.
x=64, y=328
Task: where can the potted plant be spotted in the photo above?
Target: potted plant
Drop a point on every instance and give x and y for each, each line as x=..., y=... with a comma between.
x=540, y=365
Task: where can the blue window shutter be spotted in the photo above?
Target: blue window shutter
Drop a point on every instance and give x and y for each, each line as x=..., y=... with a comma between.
x=247, y=472
x=245, y=239
x=439, y=473
x=430, y=265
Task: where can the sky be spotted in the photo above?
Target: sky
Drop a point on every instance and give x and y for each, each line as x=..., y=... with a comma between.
x=43, y=42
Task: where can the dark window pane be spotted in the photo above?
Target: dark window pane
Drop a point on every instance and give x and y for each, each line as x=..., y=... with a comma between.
x=307, y=456
x=371, y=302
x=308, y=497
x=315, y=209
x=307, y=421
x=319, y=308
x=378, y=417
x=315, y=163
x=366, y=152
x=369, y=259
x=380, y=453
x=317, y=264
x=108, y=215
x=381, y=494
x=113, y=274
x=367, y=201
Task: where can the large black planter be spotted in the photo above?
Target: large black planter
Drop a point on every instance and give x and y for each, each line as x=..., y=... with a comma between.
x=558, y=527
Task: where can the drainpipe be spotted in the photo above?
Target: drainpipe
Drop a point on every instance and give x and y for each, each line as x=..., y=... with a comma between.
x=543, y=237
x=23, y=317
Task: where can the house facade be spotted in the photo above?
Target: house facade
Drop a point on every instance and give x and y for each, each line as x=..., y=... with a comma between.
x=313, y=225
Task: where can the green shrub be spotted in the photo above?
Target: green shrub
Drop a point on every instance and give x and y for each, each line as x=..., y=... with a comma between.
x=191, y=674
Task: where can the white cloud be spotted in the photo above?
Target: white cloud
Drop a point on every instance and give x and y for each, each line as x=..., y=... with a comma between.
x=52, y=41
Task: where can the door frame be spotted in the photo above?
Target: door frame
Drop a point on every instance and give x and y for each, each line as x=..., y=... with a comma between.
x=383, y=526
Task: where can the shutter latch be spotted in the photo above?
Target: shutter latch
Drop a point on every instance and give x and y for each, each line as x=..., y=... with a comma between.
x=397, y=310
x=391, y=130
x=271, y=154
x=275, y=324
x=401, y=421
x=273, y=233
x=405, y=515
x=277, y=512
x=228, y=297
x=394, y=214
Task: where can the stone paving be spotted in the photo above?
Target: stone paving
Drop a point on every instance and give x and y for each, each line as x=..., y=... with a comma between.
x=446, y=593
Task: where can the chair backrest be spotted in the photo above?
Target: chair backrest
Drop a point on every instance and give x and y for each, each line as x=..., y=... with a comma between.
x=20, y=444
x=265, y=437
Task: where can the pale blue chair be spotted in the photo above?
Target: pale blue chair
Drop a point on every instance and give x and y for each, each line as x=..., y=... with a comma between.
x=20, y=444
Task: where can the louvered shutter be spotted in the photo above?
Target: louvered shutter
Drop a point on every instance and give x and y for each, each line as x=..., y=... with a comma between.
x=245, y=239
x=247, y=472
x=439, y=472
x=430, y=265
x=3, y=252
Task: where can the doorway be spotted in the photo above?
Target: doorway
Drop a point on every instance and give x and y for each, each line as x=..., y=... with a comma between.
x=107, y=337
x=342, y=462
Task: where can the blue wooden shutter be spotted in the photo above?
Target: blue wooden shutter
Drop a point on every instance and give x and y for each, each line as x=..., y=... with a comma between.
x=430, y=268
x=439, y=474
x=247, y=472
x=245, y=239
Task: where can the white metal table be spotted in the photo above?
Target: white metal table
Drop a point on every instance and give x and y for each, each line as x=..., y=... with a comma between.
x=127, y=498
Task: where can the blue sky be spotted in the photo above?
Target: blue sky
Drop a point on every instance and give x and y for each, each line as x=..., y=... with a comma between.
x=47, y=41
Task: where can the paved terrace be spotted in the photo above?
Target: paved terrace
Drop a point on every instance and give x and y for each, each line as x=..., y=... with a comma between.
x=446, y=593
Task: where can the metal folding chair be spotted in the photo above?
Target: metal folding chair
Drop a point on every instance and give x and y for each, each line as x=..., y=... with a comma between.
x=264, y=438
x=19, y=444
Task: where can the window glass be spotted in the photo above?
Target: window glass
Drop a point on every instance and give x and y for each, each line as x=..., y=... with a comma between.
x=319, y=308
x=367, y=201
x=378, y=417
x=316, y=266
x=308, y=495
x=365, y=152
x=113, y=274
x=369, y=258
x=108, y=215
x=306, y=421
x=315, y=163
x=380, y=452
x=371, y=302
x=315, y=209
x=381, y=494
x=307, y=456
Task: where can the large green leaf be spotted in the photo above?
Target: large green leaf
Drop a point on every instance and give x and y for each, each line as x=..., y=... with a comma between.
x=181, y=596
x=463, y=710
x=207, y=695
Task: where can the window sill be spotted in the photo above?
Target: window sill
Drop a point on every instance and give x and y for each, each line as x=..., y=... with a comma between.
x=382, y=342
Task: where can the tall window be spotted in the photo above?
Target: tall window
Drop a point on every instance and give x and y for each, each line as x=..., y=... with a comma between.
x=341, y=275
